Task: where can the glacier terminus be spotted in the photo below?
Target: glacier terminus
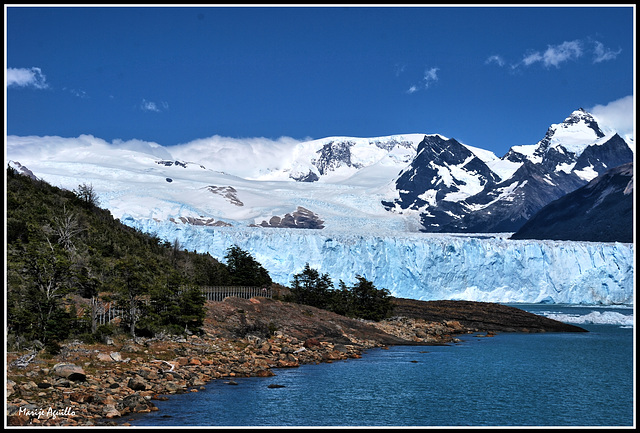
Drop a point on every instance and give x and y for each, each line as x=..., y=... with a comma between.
x=427, y=266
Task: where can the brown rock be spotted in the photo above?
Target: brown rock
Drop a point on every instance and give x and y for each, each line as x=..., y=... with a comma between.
x=110, y=411
x=81, y=397
x=311, y=342
x=137, y=384
x=17, y=420
x=172, y=387
x=282, y=363
x=104, y=357
x=70, y=371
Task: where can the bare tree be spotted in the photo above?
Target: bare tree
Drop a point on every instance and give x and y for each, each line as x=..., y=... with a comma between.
x=66, y=227
x=87, y=194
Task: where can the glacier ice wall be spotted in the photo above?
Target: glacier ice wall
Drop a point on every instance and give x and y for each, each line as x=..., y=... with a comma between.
x=428, y=266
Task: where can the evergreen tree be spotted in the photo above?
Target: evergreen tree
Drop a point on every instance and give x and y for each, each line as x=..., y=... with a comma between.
x=310, y=288
x=368, y=302
x=135, y=281
x=363, y=300
x=244, y=270
x=192, y=309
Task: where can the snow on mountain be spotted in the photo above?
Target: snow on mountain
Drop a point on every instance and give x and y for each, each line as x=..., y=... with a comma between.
x=148, y=182
x=209, y=193
x=328, y=159
x=492, y=194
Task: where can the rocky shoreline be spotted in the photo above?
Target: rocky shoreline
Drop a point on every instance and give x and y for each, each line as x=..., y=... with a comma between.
x=102, y=384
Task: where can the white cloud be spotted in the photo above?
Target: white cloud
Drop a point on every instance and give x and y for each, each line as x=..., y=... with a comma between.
x=555, y=54
x=601, y=53
x=247, y=155
x=152, y=106
x=430, y=76
x=617, y=115
x=495, y=59
x=26, y=77
x=562, y=53
x=400, y=68
x=42, y=148
x=79, y=93
x=531, y=58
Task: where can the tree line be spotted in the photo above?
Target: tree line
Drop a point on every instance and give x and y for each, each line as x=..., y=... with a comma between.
x=362, y=300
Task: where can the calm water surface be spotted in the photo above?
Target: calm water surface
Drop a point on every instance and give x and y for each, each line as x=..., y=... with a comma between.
x=512, y=379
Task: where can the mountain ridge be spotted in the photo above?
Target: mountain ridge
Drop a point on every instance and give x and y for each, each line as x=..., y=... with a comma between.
x=410, y=182
x=600, y=211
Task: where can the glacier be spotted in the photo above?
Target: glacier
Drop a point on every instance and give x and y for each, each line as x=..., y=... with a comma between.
x=427, y=266
x=151, y=188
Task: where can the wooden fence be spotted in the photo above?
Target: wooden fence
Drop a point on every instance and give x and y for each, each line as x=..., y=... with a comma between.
x=104, y=312
x=218, y=293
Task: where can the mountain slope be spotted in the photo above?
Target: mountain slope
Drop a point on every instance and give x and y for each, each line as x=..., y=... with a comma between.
x=601, y=211
x=569, y=155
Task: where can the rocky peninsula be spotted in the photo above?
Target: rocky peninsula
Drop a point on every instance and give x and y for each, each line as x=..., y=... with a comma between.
x=102, y=384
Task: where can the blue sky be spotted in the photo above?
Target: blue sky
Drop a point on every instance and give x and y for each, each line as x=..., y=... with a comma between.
x=491, y=77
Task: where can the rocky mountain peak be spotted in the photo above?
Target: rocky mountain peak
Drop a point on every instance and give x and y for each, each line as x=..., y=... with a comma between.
x=579, y=126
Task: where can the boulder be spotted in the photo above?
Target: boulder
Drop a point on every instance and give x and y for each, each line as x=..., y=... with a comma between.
x=110, y=411
x=172, y=387
x=311, y=342
x=81, y=397
x=70, y=371
x=137, y=384
x=134, y=402
x=104, y=357
x=18, y=420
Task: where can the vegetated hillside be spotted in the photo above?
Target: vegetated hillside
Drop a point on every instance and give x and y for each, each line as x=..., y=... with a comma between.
x=601, y=211
x=61, y=244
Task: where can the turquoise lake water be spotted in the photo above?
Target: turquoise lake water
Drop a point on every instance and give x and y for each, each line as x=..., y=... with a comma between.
x=512, y=379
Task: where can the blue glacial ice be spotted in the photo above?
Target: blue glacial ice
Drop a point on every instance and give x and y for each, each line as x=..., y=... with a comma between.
x=423, y=266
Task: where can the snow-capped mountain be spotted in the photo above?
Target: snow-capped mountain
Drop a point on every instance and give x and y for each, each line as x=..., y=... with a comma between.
x=358, y=206
x=455, y=190
x=413, y=182
x=326, y=159
x=335, y=183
